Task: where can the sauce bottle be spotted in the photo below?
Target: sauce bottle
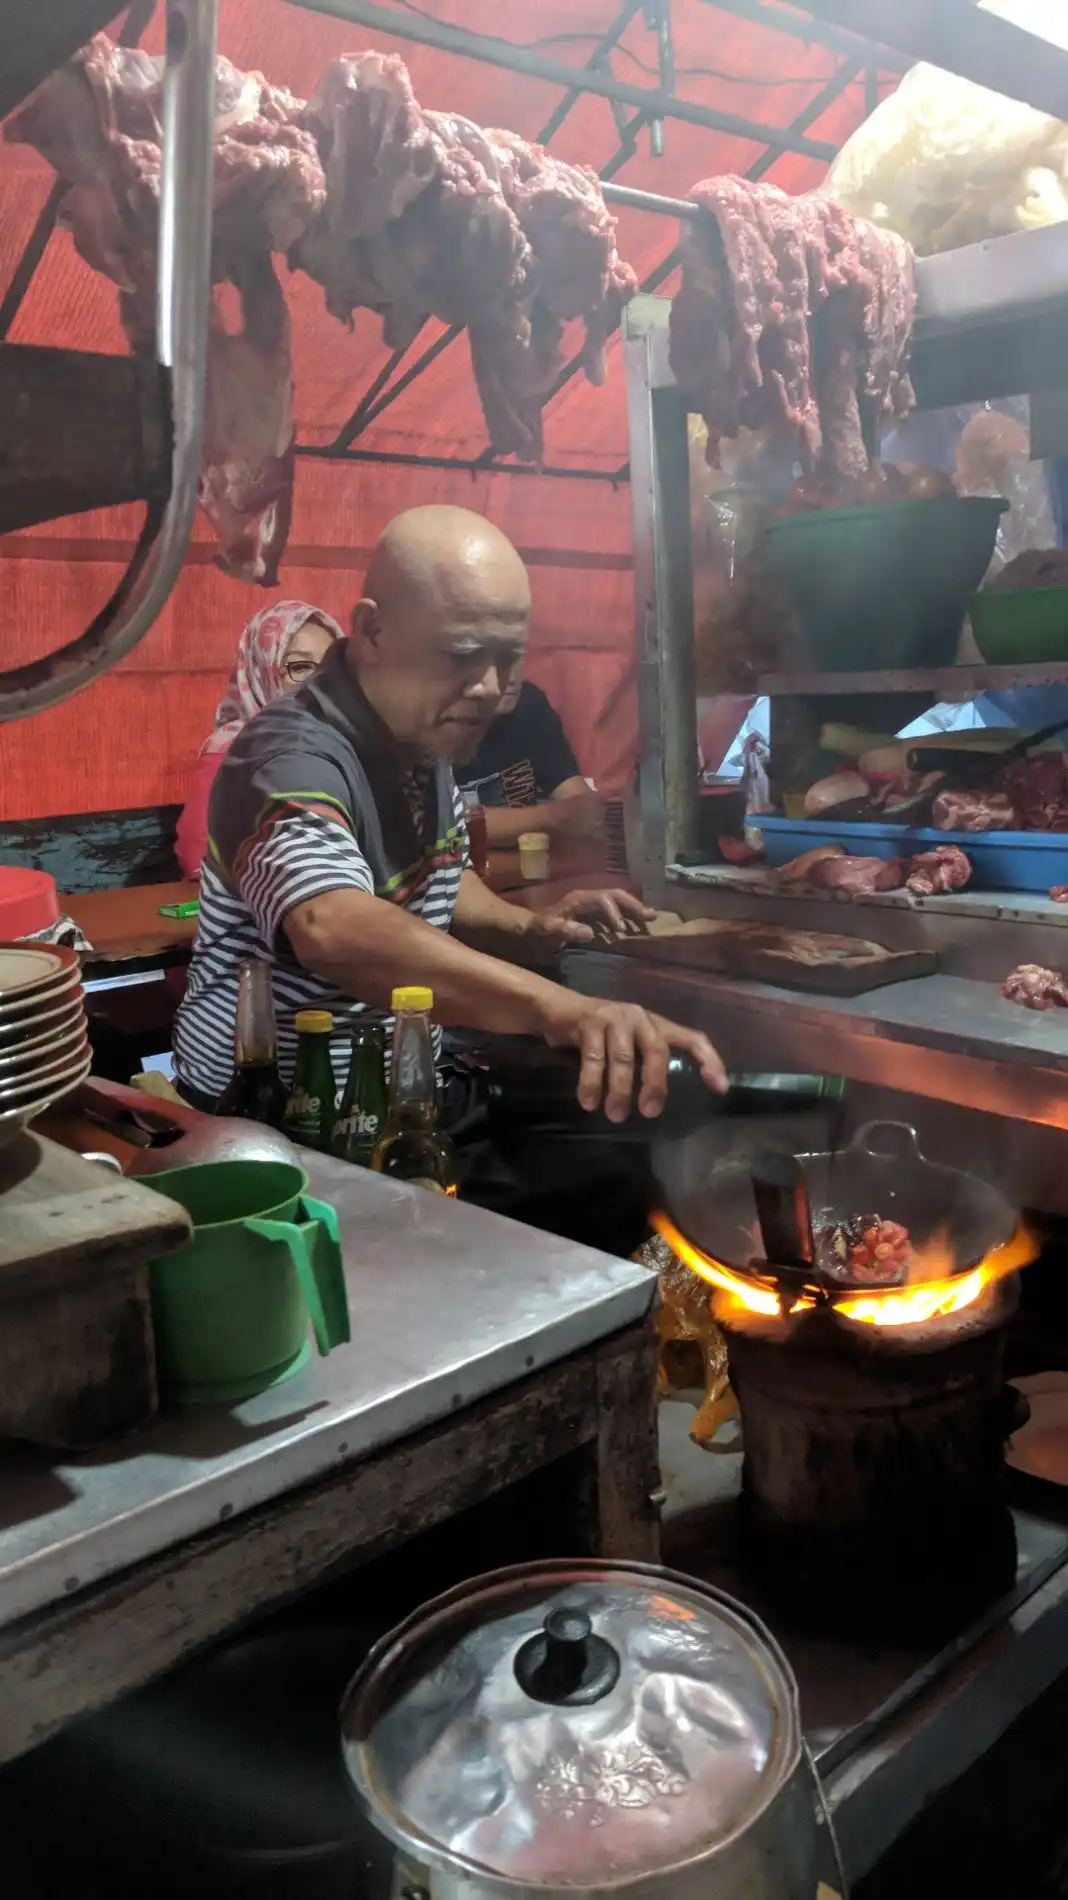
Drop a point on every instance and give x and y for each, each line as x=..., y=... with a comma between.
x=255, y=1092
x=413, y=1147
x=536, y=1090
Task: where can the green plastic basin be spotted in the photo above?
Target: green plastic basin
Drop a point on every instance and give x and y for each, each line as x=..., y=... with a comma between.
x=886, y=585
x=1022, y=628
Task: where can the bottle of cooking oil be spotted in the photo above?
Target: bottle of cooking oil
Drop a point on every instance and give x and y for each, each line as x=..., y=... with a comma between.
x=413, y=1147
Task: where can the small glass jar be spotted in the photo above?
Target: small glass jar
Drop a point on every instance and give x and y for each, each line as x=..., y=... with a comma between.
x=534, y=856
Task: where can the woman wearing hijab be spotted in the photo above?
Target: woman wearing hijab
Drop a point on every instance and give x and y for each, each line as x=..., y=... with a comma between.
x=279, y=650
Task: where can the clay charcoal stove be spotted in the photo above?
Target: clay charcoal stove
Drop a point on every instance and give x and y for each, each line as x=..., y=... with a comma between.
x=874, y=1493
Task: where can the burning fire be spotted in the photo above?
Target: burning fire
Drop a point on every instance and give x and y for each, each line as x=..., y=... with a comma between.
x=935, y=1293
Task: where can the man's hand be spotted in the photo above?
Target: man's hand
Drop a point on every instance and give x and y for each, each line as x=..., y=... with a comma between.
x=583, y=915
x=611, y=1039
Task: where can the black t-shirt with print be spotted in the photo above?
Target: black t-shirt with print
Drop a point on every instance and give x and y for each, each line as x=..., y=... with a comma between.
x=524, y=756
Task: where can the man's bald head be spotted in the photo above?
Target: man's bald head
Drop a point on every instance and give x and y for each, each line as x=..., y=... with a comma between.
x=440, y=557
x=441, y=627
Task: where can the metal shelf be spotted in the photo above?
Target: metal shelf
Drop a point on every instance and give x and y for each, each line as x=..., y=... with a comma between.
x=946, y=682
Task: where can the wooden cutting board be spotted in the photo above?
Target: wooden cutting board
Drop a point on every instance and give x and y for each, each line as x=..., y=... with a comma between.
x=63, y=1217
x=812, y=960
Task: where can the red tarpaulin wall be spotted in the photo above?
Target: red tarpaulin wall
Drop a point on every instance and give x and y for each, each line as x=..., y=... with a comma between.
x=128, y=740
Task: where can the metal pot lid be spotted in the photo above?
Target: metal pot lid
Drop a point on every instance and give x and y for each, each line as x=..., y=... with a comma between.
x=571, y=1725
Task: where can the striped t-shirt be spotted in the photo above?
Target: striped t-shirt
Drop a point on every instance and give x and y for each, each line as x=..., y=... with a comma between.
x=287, y=825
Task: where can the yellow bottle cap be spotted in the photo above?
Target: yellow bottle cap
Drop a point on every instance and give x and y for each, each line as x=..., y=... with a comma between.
x=315, y=1022
x=413, y=996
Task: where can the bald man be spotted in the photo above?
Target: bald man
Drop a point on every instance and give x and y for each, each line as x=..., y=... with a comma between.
x=337, y=849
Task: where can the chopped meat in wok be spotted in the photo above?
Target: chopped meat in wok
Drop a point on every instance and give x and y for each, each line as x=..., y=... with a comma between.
x=1035, y=987
x=865, y=1248
x=946, y=868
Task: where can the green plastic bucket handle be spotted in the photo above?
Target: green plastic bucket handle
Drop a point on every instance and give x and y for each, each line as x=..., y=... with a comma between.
x=313, y=1243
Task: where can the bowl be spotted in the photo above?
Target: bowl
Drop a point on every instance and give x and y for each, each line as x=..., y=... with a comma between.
x=1020, y=627
x=28, y=902
x=886, y=585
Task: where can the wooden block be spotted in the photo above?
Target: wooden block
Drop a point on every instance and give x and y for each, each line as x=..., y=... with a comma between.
x=77, y=1355
x=64, y=1216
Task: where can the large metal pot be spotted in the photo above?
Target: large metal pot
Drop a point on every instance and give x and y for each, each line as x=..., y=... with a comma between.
x=586, y=1727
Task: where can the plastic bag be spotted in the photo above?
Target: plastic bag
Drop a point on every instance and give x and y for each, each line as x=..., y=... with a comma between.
x=738, y=635
x=945, y=162
x=986, y=447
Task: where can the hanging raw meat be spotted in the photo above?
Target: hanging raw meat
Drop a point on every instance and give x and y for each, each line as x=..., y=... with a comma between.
x=246, y=481
x=792, y=315
x=407, y=213
x=428, y=214
x=98, y=122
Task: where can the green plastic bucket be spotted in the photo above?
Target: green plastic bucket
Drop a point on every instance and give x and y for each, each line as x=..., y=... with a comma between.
x=231, y=1310
x=882, y=586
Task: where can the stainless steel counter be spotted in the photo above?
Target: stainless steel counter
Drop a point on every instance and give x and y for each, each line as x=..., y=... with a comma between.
x=946, y=1036
x=448, y=1305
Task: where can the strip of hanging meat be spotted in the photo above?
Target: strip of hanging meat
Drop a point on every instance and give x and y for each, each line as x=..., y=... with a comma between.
x=428, y=215
x=792, y=315
x=98, y=122
x=407, y=213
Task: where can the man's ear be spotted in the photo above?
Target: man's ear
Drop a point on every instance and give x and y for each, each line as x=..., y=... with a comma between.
x=365, y=628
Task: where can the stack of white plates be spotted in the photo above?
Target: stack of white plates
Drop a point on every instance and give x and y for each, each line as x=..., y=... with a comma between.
x=44, y=1044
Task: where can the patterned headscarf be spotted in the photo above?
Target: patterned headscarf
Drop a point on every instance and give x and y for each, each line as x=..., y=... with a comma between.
x=257, y=678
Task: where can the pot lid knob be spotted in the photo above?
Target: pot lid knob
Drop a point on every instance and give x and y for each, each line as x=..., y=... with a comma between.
x=566, y=1664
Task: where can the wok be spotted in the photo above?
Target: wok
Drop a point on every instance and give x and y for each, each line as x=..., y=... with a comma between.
x=168, y=1135
x=881, y=1171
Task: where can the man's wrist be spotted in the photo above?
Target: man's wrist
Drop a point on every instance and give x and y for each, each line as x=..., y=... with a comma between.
x=556, y=1011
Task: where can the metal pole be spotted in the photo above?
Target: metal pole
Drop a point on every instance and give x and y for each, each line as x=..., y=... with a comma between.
x=605, y=44
x=811, y=32
x=370, y=396
x=963, y=39
x=473, y=466
x=535, y=65
x=871, y=90
x=650, y=201
x=34, y=249
x=182, y=302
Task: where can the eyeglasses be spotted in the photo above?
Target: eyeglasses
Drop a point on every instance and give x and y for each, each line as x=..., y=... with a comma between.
x=297, y=671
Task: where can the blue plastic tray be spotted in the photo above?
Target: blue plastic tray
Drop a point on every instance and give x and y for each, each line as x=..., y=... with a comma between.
x=1001, y=860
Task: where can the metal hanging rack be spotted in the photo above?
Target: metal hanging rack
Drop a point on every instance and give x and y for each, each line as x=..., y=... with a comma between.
x=978, y=45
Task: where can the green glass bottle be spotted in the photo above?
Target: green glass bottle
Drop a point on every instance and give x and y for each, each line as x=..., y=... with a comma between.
x=361, y=1119
x=309, y=1116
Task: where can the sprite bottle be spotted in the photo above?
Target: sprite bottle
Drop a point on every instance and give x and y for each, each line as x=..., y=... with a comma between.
x=361, y=1119
x=309, y=1116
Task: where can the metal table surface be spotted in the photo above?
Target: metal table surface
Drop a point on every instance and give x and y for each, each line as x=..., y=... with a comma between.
x=449, y=1304
x=946, y=1036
